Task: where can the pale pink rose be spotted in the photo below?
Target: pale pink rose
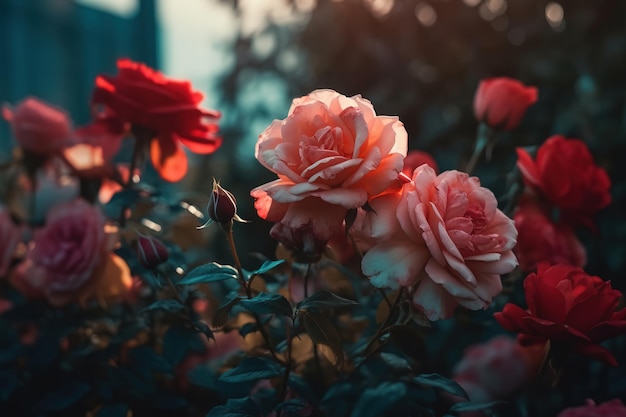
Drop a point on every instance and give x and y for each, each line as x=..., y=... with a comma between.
x=613, y=408
x=65, y=254
x=10, y=235
x=493, y=370
x=332, y=153
x=39, y=127
x=444, y=236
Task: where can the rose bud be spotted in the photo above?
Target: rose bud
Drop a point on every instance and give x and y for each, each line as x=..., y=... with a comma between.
x=222, y=206
x=501, y=102
x=152, y=252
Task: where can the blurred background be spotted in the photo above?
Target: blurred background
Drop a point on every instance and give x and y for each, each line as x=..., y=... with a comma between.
x=418, y=59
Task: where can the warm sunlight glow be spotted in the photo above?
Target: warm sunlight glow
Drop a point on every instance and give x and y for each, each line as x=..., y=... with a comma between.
x=380, y=7
x=554, y=15
x=425, y=14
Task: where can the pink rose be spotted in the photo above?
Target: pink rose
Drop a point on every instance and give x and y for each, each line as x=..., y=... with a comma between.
x=332, y=153
x=501, y=102
x=444, y=236
x=495, y=370
x=10, y=236
x=39, y=127
x=69, y=256
x=542, y=240
x=613, y=408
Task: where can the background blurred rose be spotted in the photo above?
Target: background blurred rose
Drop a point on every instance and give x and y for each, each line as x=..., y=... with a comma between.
x=331, y=154
x=39, y=127
x=449, y=227
x=613, y=408
x=10, y=236
x=163, y=111
x=494, y=370
x=540, y=239
x=68, y=256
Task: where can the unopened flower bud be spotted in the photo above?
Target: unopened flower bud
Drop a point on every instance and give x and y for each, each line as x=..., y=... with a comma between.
x=222, y=206
x=152, y=252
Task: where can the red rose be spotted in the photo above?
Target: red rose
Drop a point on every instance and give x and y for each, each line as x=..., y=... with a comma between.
x=415, y=159
x=565, y=173
x=501, y=102
x=163, y=108
x=541, y=240
x=571, y=309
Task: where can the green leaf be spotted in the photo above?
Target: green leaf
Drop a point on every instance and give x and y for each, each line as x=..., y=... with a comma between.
x=394, y=361
x=221, y=314
x=325, y=299
x=469, y=406
x=252, y=369
x=178, y=342
x=165, y=305
x=211, y=272
x=149, y=360
x=265, y=303
x=248, y=328
x=113, y=410
x=375, y=401
x=9, y=380
x=267, y=266
x=439, y=382
x=63, y=397
x=323, y=331
x=236, y=407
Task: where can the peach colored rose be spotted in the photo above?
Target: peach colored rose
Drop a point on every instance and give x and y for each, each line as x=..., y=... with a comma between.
x=69, y=257
x=613, y=408
x=444, y=236
x=10, y=236
x=39, y=127
x=332, y=153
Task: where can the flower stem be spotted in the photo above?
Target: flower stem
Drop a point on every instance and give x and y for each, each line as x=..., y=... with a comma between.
x=228, y=229
x=282, y=393
x=484, y=137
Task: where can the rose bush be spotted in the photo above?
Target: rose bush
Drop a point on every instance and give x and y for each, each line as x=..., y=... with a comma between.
x=162, y=110
x=540, y=239
x=565, y=174
x=445, y=236
x=39, y=127
x=573, y=310
x=331, y=154
x=501, y=102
